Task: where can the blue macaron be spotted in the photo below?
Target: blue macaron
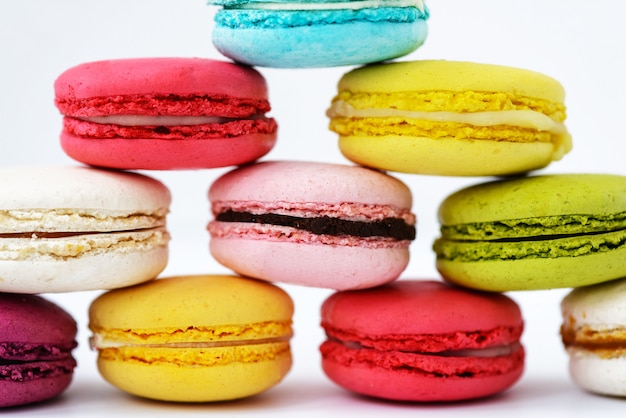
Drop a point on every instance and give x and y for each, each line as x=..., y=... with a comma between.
x=318, y=33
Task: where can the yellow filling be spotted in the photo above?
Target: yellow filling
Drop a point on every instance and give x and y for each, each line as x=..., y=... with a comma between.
x=605, y=343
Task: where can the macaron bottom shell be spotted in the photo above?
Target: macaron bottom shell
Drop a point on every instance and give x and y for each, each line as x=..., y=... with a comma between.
x=109, y=269
x=167, y=154
x=407, y=384
x=603, y=376
x=446, y=156
x=535, y=273
x=324, y=266
x=13, y=393
x=322, y=45
x=179, y=381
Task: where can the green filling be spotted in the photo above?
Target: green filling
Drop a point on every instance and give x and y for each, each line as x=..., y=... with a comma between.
x=573, y=246
x=535, y=227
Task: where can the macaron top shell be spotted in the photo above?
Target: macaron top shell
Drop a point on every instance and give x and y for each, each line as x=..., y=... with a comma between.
x=33, y=319
x=78, y=187
x=191, y=300
x=179, y=76
x=599, y=307
x=418, y=307
x=539, y=196
x=452, y=76
x=310, y=182
x=79, y=199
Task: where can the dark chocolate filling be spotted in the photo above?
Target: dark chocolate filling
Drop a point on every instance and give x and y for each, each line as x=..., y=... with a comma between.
x=325, y=225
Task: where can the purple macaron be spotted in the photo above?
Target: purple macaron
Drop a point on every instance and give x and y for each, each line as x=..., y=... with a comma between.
x=36, y=342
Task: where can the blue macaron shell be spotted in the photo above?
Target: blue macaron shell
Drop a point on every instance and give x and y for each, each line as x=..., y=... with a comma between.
x=320, y=38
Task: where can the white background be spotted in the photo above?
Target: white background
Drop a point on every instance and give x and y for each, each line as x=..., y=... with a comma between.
x=580, y=43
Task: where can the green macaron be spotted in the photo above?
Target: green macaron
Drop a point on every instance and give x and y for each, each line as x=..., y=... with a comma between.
x=541, y=232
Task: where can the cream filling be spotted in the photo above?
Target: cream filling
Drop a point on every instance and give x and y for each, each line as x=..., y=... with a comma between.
x=14, y=221
x=489, y=352
x=79, y=245
x=99, y=342
x=522, y=118
x=160, y=120
x=348, y=5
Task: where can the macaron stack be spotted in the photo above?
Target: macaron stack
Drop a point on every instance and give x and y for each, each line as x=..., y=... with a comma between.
x=520, y=232
x=344, y=227
x=174, y=114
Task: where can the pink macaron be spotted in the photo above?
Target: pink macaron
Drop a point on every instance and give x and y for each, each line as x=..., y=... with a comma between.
x=313, y=224
x=164, y=113
x=423, y=341
x=36, y=342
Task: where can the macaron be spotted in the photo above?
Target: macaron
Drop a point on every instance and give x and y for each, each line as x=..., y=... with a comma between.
x=594, y=334
x=36, y=342
x=164, y=113
x=193, y=338
x=450, y=118
x=422, y=341
x=541, y=232
x=312, y=224
x=318, y=33
x=74, y=228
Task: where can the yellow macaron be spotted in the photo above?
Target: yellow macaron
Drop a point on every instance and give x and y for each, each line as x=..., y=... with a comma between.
x=450, y=118
x=193, y=338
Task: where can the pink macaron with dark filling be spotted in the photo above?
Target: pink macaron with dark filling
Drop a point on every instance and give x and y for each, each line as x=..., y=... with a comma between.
x=164, y=113
x=422, y=341
x=313, y=224
x=36, y=342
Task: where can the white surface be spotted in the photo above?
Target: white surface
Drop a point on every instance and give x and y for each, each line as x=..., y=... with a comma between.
x=579, y=43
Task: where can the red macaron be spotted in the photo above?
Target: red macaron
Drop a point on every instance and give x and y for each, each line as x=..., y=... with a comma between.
x=422, y=341
x=164, y=113
x=36, y=342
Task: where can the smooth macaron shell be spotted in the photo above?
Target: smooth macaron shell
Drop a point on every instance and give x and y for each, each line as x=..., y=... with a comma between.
x=450, y=118
x=74, y=228
x=422, y=340
x=540, y=232
x=294, y=37
x=36, y=342
x=164, y=113
x=193, y=338
x=321, y=194
x=594, y=334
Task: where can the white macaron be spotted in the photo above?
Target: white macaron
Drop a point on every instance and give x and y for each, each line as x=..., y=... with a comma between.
x=594, y=334
x=74, y=228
